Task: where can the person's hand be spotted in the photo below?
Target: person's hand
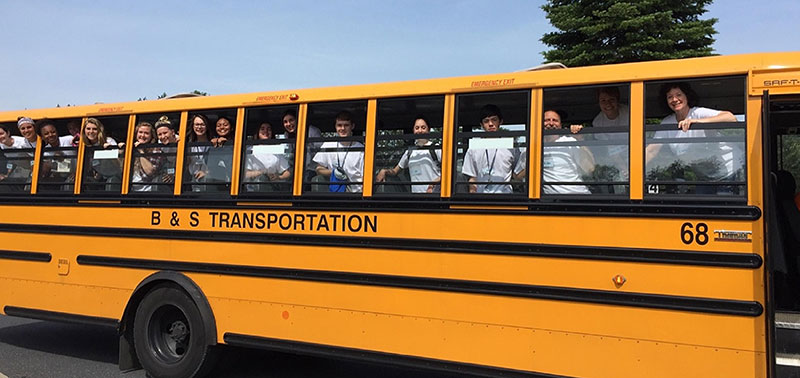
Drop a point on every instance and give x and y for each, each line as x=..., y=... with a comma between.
x=380, y=176
x=685, y=124
x=199, y=174
x=430, y=189
x=272, y=176
x=473, y=188
x=219, y=141
x=575, y=128
x=167, y=178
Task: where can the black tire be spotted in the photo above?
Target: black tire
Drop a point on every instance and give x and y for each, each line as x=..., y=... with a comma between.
x=169, y=335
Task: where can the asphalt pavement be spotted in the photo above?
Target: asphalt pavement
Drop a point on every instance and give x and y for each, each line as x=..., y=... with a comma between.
x=39, y=349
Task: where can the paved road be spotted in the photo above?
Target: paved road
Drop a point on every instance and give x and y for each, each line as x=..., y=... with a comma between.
x=36, y=349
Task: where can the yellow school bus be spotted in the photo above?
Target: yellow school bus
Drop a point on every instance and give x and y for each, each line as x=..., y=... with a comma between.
x=622, y=220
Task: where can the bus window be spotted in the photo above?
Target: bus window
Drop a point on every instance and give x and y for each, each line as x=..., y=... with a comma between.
x=408, y=151
x=18, y=148
x=103, y=156
x=60, y=138
x=695, y=138
x=154, y=153
x=491, y=136
x=585, y=140
x=338, y=153
x=209, y=152
x=789, y=155
x=268, y=161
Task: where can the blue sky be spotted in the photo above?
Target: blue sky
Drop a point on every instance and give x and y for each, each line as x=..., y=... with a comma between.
x=82, y=52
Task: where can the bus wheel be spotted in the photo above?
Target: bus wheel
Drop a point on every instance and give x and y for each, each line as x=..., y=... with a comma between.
x=169, y=336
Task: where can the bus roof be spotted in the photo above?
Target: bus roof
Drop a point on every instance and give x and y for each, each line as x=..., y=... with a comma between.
x=589, y=75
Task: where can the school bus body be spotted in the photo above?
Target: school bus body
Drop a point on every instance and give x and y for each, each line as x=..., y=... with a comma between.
x=436, y=297
x=590, y=290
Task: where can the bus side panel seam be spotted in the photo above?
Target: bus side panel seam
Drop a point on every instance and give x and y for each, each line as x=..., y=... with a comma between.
x=31, y=313
x=26, y=256
x=654, y=256
x=656, y=301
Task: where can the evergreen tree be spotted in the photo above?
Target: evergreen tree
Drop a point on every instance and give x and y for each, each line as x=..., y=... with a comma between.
x=615, y=31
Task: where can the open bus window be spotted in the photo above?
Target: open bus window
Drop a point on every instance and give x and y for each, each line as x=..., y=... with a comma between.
x=585, y=140
x=337, y=154
x=17, y=157
x=154, y=153
x=208, y=159
x=491, y=143
x=103, y=155
x=789, y=154
x=695, y=138
x=408, y=151
x=59, y=160
x=268, y=161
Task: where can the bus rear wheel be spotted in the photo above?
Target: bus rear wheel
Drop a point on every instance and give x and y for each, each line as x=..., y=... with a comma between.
x=169, y=335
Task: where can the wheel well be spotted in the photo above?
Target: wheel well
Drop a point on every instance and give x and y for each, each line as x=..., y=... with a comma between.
x=127, y=354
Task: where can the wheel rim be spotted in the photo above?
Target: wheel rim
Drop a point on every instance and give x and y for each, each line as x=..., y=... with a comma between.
x=169, y=333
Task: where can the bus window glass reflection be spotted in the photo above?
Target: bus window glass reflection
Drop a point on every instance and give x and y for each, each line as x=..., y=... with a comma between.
x=268, y=165
x=695, y=144
x=595, y=126
x=408, y=151
x=103, y=156
x=208, y=158
x=59, y=157
x=491, y=143
x=338, y=155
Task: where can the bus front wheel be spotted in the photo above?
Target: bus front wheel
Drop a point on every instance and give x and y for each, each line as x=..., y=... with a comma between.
x=169, y=336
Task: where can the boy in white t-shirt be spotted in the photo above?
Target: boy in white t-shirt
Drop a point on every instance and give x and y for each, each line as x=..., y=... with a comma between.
x=489, y=170
x=346, y=163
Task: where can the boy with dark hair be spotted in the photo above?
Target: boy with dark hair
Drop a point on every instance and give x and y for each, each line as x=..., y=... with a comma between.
x=342, y=161
x=490, y=169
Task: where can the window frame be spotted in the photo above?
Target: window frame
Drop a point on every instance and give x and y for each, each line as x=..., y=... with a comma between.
x=743, y=125
x=515, y=195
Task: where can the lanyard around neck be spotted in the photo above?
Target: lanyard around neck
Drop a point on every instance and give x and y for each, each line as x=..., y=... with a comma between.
x=339, y=162
x=491, y=165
